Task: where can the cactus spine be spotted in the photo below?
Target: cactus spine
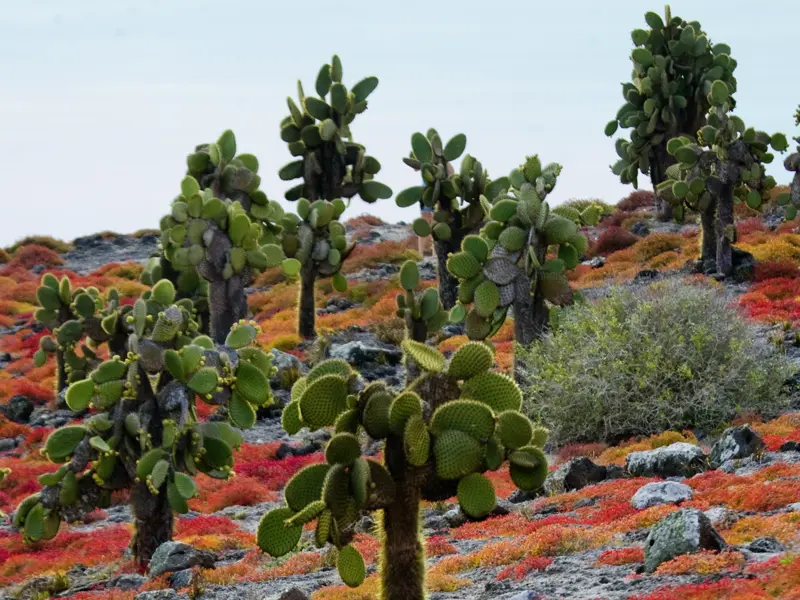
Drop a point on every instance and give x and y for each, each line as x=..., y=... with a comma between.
x=333, y=169
x=145, y=435
x=674, y=65
x=441, y=434
x=78, y=318
x=725, y=164
x=223, y=229
x=508, y=265
x=455, y=198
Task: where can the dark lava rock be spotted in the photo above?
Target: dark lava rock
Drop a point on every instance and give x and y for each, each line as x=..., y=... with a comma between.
x=574, y=475
x=767, y=544
x=177, y=556
x=790, y=446
x=646, y=274
x=18, y=409
x=640, y=228
x=736, y=442
x=683, y=532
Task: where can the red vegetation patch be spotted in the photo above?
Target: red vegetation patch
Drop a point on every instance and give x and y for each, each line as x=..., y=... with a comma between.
x=612, y=239
x=772, y=269
x=519, y=571
x=637, y=200
x=621, y=556
x=34, y=254
x=773, y=301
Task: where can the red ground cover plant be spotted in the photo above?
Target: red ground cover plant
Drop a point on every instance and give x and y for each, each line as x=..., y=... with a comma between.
x=34, y=254
x=621, y=556
x=772, y=269
x=773, y=301
x=521, y=570
x=612, y=239
x=637, y=200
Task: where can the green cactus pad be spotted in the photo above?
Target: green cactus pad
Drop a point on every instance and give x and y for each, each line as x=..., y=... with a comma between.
x=24, y=508
x=298, y=388
x=241, y=411
x=251, y=383
x=274, y=537
x=487, y=298
x=62, y=442
x=308, y=514
x=470, y=360
x=539, y=436
x=145, y=464
x=495, y=454
x=416, y=441
x=343, y=448
x=360, y=481
x=409, y=275
x=376, y=415
x=504, y=210
x=469, y=416
x=323, y=401
x=514, y=429
x=401, y=409
x=79, y=394
x=463, y=265
x=204, y=381
x=323, y=528
x=351, y=567
x=347, y=422
x=175, y=499
x=333, y=366
x=529, y=479
x=513, y=238
x=241, y=335
x=305, y=486
x=68, y=493
x=336, y=490
x=429, y=359
x=497, y=390
x=185, y=485
x=163, y=292
x=476, y=495
x=457, y=454
x=48, y=298
x=34, y=523
x=475, y=245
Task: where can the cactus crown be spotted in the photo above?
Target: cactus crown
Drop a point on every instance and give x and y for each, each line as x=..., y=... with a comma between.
x=78, y=317
x=422, y=312
x=674, y=67
x=145, y=426
x=725, y=151
x=508, y=261
x=317, y=130
x=444, y=431
x=454, y=196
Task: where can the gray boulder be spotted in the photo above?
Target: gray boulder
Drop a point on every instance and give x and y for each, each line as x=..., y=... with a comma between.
x=767, y=545
x=683, y=532
x=177, y=556
x=18, y=409
x=661, y=492
x=359, y=352
x=574, y=475
x=674, y=460
x=736, y=442
x=293, y=594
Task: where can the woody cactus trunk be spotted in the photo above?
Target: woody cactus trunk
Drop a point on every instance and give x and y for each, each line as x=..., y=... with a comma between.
x=449, y=426
x=510, y=263
x=723, y=165
x=333, y=169
x=455, y=199
x=222, y=228
x=673, y=65
x=145, y=435
x=792, y=164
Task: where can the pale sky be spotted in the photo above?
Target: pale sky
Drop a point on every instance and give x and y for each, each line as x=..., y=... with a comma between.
x=101, y=100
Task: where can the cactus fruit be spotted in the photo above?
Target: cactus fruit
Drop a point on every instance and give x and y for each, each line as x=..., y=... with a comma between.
x=455, y=198
x=677, y=72
x=81, y=320
x=506, y=265
x=333, y=169
x=146, y=435
x=441, y=434
x=724, y=164
x=221, y=230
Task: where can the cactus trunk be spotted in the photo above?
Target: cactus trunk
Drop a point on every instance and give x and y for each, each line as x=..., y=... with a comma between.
x=530, y=316
x=448, y=283
x=307, y=309
x=402, y=561
x=228, y=304
x=152, y=521
x=708, y=247
x=658, y=168
x=724, y=223
x=61, y=371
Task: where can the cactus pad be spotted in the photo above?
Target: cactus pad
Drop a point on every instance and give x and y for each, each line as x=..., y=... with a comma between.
x=305, y=486
x=497, y=390
x=428, y=358
x=469, y=416
x=273, y=536
x=351, y=567
x=343, y=448
x=403, y=407
x=476, y=495
x=514, y=429
x=323, y=400
x=457, y=454
x=470, y=360
x=416, y=441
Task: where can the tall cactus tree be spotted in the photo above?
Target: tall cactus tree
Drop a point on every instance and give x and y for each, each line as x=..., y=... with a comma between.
x=792, y=164
x=223, y=228
x=723, y=165
x=674, y=65
x=449, y=426
x=144, y=434
x=78, y=318
x=455, y=198
x=333, y=169
x=511, y=264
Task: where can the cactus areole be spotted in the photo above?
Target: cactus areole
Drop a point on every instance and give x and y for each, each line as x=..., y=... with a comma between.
x=333, y=169
x=143, y=433
x=451, y=424
x=674, y=66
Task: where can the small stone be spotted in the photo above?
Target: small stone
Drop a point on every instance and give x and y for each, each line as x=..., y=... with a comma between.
x=168, y=594
x=574, y=475
x=735, y=442
x=176, y=556
x=676, y=459
x=683, y=532
x=181, y=579
x=767, y=544
x=640, y=228
x=646, y=274
x=721, y=516
x=661, y=492
x=128, y=581
x=790, y=446
x=7, y=444
x=519, y=496
x=293, y=594
x=18, y=409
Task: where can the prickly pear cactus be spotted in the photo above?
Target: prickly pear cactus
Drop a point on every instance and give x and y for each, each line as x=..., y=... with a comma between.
x=455, y=198
x=723, y=165
x=317, y=131
x=223, y=229
x=674, y=66
x=143, y=432
x=333, y=169
x=422, y=312
x=442, y=433
x=80, y=319
x=792, y=164
x=509, y=263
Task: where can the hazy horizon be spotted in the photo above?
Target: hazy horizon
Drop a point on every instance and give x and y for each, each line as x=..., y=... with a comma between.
x=101, y=102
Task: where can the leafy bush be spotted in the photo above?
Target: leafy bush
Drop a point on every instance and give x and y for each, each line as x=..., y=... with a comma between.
x=656, y=243
x=581, y=204
x=670, y=356
x=636, y=200
x=613, y=239
x=41, y=240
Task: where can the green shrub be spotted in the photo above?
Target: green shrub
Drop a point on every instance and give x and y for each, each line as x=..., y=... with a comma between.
x=670, y=356
x=581, y=204
x=59, y=246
